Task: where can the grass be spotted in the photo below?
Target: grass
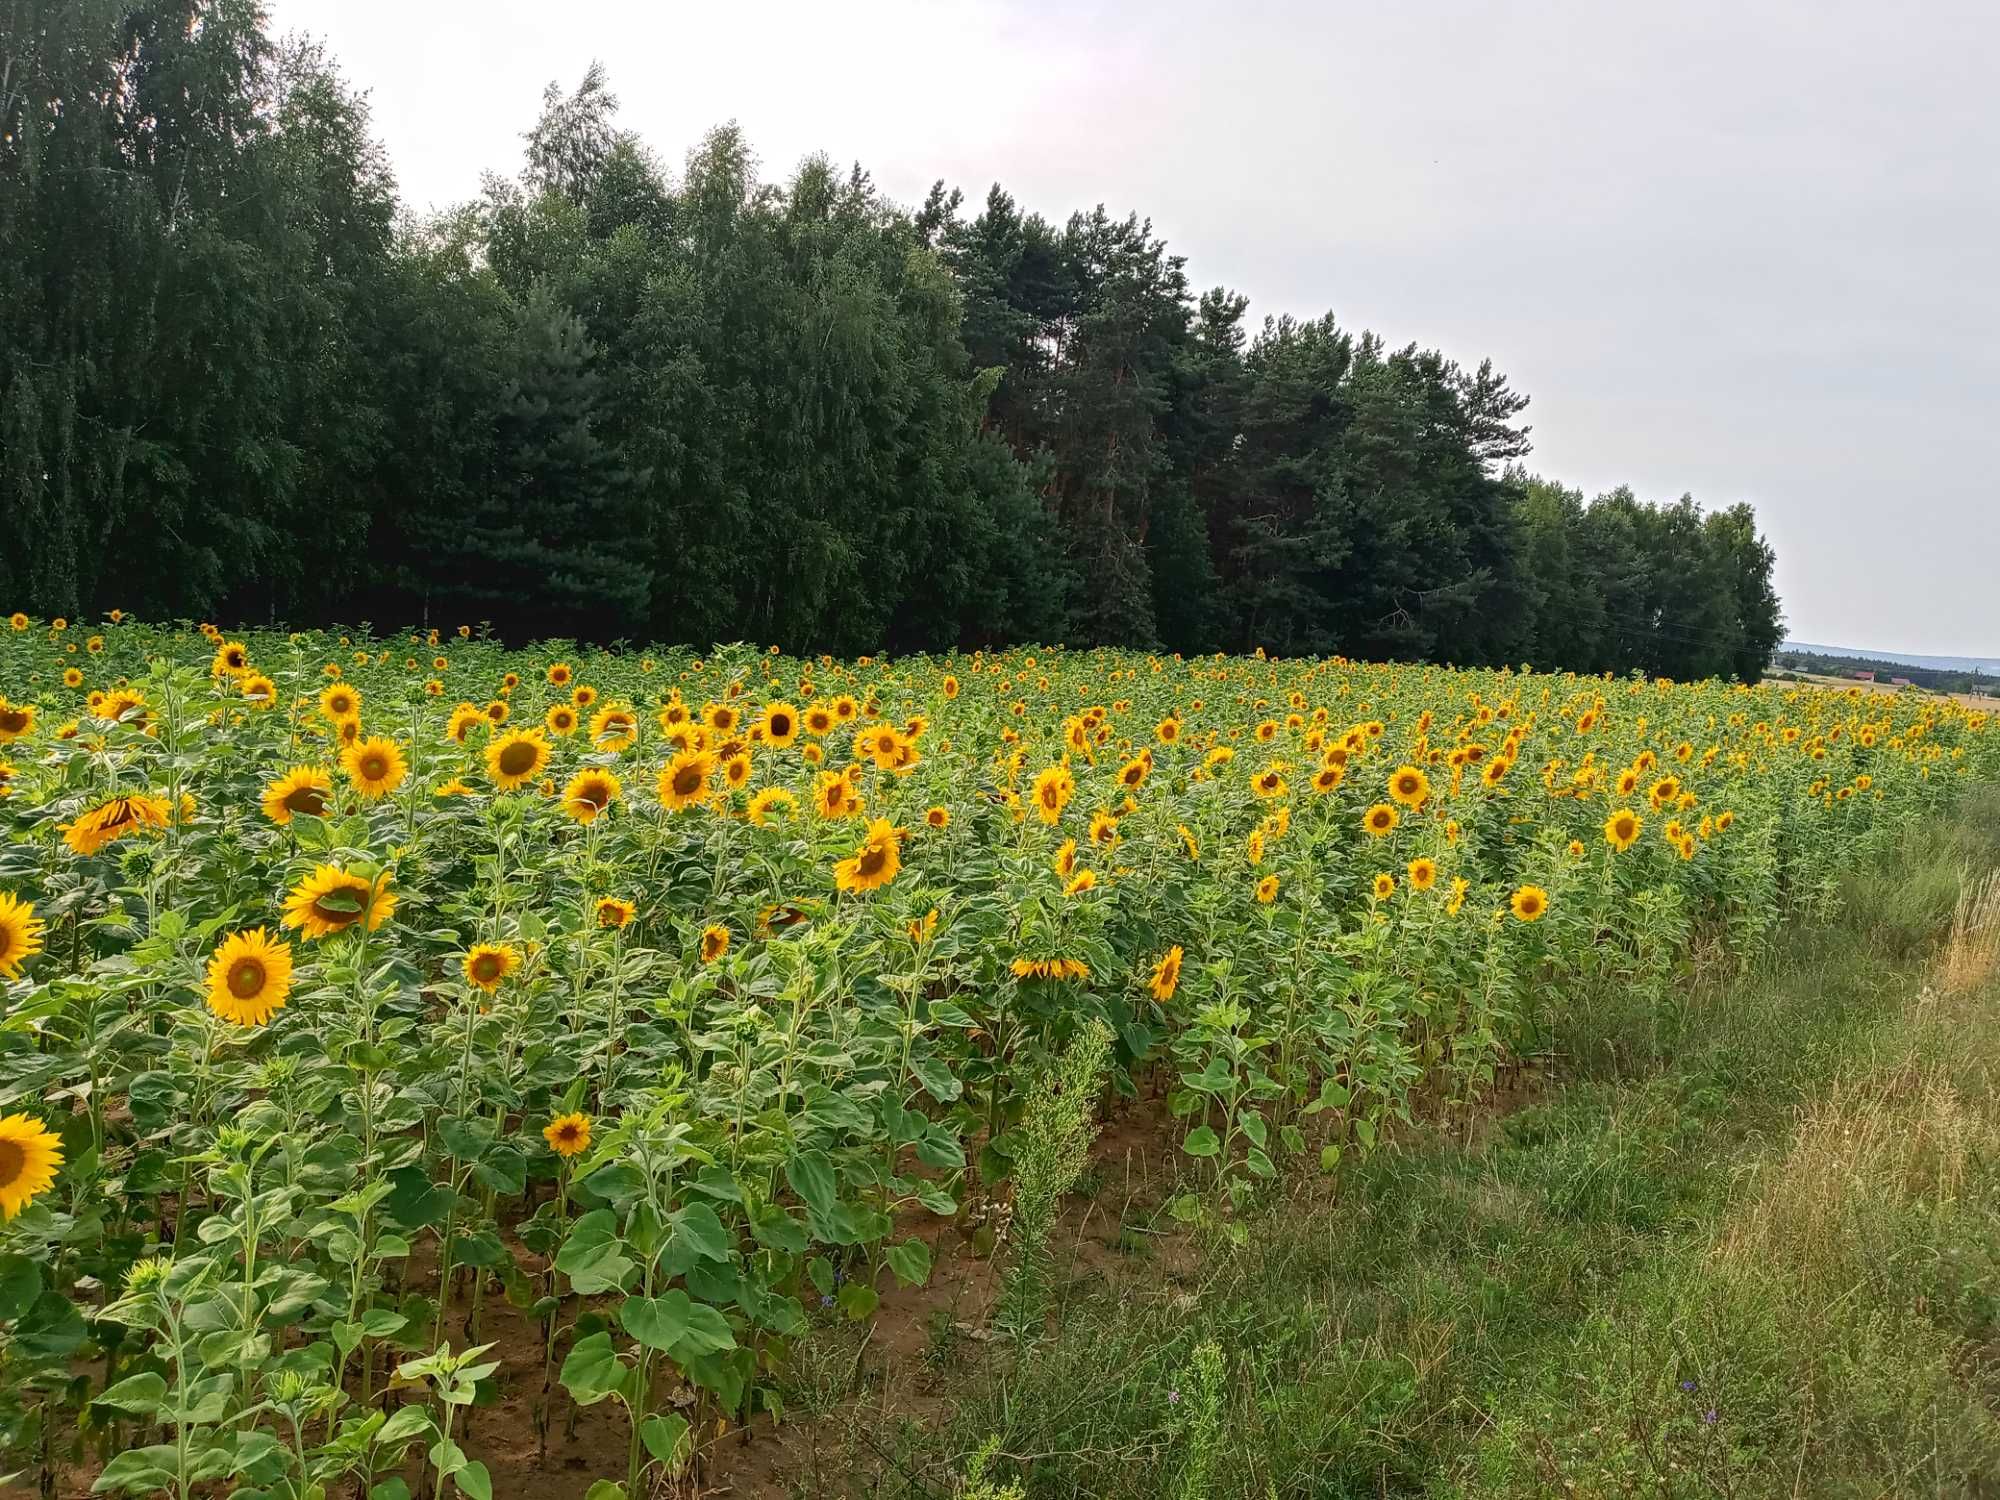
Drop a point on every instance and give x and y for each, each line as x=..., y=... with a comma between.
x=1747, y=1248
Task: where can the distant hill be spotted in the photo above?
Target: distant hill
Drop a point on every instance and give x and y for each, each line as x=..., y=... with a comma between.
x=1989, y=665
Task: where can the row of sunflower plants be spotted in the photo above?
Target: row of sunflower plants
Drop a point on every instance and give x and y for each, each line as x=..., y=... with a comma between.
x=397, y=1027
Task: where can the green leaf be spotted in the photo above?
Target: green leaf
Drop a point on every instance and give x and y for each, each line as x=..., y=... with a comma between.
x=775, y=1229
x=474, y=1481
x=604, y=1489
x=140, y=1394
x=665, y=1437
x=404, y=1423
x=698, y=1227
x=677, y=1325
x=858, y=1300
x=141, y=1469
x=593, y=1370
x=911, y=1261
x=20, y=1284
x=1201, y=1141
x=811, y=1177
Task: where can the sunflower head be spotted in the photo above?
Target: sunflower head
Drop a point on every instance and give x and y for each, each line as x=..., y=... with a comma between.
x=374, y=765
x=516, y=758
x=613, y=912
x=714, y=943
x=249, y=976
x=1166, y=974
x=20, y=934
x=490, y=963
x=568, y=1135
x=1380, y=820
x=30, y=1155
x=1530, y=903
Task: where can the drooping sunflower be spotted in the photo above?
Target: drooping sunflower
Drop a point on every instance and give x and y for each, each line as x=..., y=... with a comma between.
x=1622, y=829
x=590, y=793
x=1083, y=880
x=121, y=817
x=20, y=934
x=332, y=900
x=568, y=1135
x=1267, y=889
x=490, y=963
x=1166, y=974
x=303, y=789
x=1423, y=873
x=714, y=942
x=1381, y=820
x=374, y=765
x=30, y=1155
x=684, y=779
x=614, y=912
x=780, y=725
x=516, y=758
x=834, y=796
x=768, y=803
x=249, y=977
x=1529, y=903
x=614, y=727
x=875, y=863
x=1409, y=786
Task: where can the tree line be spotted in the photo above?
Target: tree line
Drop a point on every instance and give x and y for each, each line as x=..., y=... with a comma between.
x=238, y=380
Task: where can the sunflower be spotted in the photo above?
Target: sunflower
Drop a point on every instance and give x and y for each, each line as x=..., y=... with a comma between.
x=1664, y=791
x=684, y=779
x=558, y=674
x=1083, y=880
x=1327, y=778
x=1409, y=786
x=72, y=677
x=1385, y=886
x=1423, y=873
x=845, y=708
x=614, y=727
x=589, y=794
x=818, y=720
x=937, y=817
x=875, y=863
x=736, y=771
x=1052, y=790
x=257, y=690
x=561, y=720
x=1381, y=820
x=464, y=719
x=20, y=934
x=30, y=1153
x=497, y=711
x=1166, y=975
x=568, y=1135
x=1103, y=830
x=950, y=686
x=1269, y=782
x=834, y=796
x=331, y=900
x=230, y=658
x=516, y=758
x=1190, y=845
x=17, y=720
x=18, y=621
x=1622, y=829
x=714, y=943
x=119, y=818
x=1529, y=903
x=340, y=702
x=613, y=912
x=1167, y=730
x=375, y=765
x=1132, y=775
x=766, y=805
x=1575, y=848
x=780, y=725
x=721, y=717
x=249, y=977
x=303, y=789
x=489, y=963
x=1267, y=889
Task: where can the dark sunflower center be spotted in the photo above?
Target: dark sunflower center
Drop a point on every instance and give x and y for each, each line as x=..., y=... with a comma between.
x=374, y=767
x=332, y=917
x=872, y=859
x=13, y=719
x=781, y=725
x=595, y=793
x=486, y=967
x=687, y=781
x=518, y=759
x=246, y=977
x=13, y=1162
x=305, y=799
x=6, y=943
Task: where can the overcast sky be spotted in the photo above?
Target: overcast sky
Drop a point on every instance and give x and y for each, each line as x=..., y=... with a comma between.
x=1744, y=249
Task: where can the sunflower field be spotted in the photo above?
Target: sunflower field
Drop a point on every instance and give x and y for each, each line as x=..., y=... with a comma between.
x=359, y=991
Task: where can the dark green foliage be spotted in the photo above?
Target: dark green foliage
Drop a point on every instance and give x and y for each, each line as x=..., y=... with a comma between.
x=604, y=402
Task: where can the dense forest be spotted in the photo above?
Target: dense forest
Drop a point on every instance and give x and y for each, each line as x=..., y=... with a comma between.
x=608, y=400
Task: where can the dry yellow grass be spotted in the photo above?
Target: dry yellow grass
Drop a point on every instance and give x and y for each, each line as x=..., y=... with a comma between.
x=1901, y=1139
